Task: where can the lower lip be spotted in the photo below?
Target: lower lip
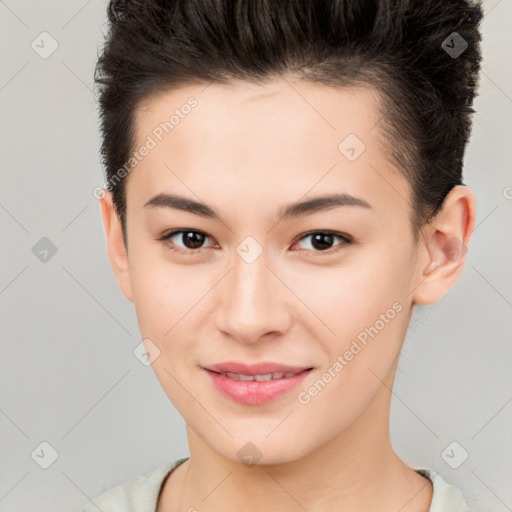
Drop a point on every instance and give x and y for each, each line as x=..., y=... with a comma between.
x=256, y=392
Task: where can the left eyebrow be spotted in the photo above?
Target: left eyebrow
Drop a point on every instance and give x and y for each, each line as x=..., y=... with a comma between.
x=321, y=203
x=308, y=207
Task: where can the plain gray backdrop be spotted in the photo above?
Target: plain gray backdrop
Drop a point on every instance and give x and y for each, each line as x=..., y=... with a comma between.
x=79, y=413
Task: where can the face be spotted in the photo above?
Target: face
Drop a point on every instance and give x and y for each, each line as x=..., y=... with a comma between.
x=325, y=287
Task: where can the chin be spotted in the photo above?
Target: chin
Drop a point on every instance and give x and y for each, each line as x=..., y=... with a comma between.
x=259, y=451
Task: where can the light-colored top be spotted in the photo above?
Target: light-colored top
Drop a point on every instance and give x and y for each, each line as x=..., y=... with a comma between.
x=140, y=494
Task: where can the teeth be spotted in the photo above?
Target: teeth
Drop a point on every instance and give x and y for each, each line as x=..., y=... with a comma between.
x=245, y=377
x=267, y=376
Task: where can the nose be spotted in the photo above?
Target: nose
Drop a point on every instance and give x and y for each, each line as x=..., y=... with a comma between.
x=254, y=303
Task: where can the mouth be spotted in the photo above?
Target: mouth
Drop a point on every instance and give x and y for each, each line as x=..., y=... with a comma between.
x=263, y=369
x=260, y=377
x=252, y=388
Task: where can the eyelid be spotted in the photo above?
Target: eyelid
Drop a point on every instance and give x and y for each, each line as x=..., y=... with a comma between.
x=346, y=240
x=165, y=238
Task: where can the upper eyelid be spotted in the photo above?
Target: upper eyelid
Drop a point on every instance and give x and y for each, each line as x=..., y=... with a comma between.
x=345, y=237
x=168, y=235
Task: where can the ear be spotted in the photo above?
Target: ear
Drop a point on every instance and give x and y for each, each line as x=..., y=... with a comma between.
x=444, y=245
x=117, y=251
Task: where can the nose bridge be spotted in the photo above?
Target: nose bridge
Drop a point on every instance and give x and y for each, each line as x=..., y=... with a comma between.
x=250, y=303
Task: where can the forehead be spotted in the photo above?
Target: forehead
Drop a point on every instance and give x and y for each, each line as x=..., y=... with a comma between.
x=262, y=142
x=254, y=113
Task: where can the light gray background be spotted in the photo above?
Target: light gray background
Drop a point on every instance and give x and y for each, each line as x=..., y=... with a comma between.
x=68, y=376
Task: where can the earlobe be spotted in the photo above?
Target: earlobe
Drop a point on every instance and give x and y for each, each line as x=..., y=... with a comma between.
x=117, y=251
x=445, y=246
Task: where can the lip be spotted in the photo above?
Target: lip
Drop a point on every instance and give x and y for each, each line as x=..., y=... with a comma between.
x=256, y=392
x=255, y=369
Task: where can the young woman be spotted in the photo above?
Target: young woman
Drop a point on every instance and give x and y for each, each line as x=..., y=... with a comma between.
x=284, y=187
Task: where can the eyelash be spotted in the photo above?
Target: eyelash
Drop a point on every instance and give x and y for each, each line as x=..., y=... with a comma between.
x=346, y=239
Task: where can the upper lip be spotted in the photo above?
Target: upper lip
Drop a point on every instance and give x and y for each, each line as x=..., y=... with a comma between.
x=255, y=369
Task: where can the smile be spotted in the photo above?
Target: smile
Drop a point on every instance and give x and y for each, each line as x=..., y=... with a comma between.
x=263, y=377
x=256, y=389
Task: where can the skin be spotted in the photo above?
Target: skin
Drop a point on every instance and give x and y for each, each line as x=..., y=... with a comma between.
x=247, y=151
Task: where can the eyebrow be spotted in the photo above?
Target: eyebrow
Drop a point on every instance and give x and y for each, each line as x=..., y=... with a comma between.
x=313, y=205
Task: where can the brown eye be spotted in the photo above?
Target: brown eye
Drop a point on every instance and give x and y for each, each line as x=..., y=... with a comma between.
x=192, y=240
x=322, y=241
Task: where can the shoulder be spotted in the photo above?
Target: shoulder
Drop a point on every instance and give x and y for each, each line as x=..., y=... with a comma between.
x=445, y=497
x=139, y=494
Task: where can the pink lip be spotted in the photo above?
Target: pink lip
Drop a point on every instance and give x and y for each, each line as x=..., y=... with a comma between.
x=256, y=392
x=255, y=369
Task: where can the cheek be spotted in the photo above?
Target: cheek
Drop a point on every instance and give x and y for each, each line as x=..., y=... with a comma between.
x=165, y=300
x=346, y=299
x=163, y=294
x=359, y=314
x=368, y=319
x=170, y=302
